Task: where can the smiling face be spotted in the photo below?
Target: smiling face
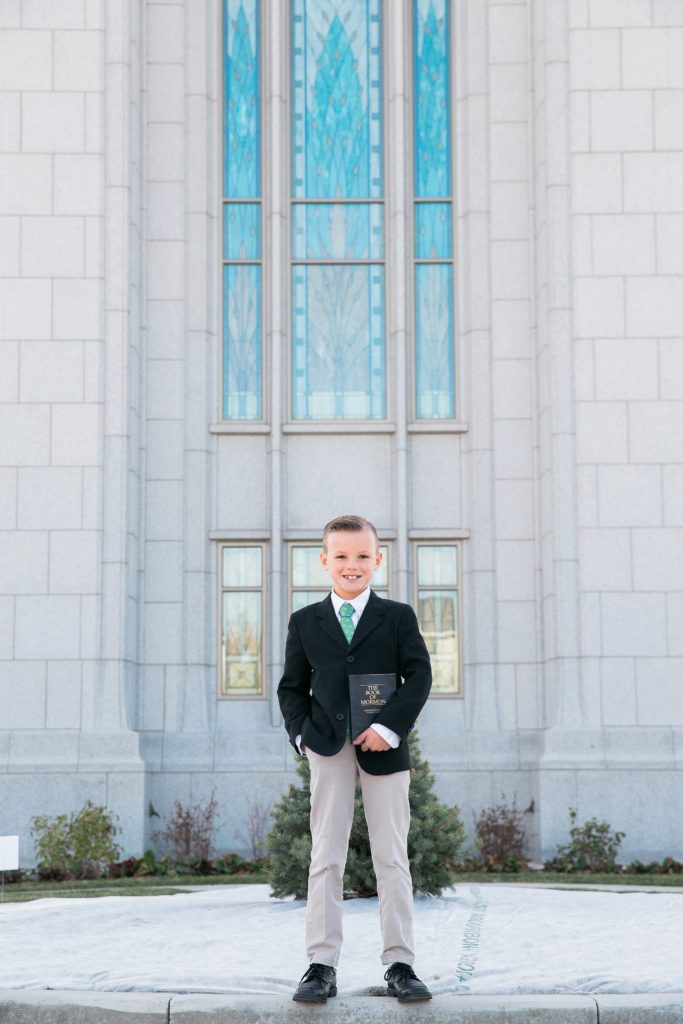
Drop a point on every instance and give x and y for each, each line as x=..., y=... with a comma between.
x=351, y=557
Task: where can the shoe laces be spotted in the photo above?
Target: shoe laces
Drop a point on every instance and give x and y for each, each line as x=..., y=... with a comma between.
x=317, y=971
x=400, y=972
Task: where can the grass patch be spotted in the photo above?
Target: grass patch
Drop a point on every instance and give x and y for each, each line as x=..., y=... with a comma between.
x=566, y=878
x=21, y=892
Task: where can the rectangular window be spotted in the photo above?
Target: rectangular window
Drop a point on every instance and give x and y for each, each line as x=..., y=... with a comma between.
x=433, y=217
x=242, y=618
x=242, y=328
x=437, y=593
x=338, y=349
x=309, y=582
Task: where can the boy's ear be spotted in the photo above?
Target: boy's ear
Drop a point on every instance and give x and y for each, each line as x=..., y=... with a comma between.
x=323, y=558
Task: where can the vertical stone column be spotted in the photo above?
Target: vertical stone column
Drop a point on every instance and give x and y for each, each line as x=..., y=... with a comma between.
x=397, y=50
x=474, y=323
x=276, y=198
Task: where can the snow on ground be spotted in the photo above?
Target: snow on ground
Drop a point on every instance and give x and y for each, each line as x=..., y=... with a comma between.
x=478, y=939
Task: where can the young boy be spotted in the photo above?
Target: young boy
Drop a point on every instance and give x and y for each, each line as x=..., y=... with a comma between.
x=353, y=631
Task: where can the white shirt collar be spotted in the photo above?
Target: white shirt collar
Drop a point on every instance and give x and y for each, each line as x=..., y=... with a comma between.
x=358, y=603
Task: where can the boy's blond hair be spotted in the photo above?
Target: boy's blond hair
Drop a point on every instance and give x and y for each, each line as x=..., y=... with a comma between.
x=352, y=523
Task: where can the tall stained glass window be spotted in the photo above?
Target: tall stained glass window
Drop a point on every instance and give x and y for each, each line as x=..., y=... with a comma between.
x=338, y=348
x=242, y=341
x=434, y=327
x=241, y=655
x=436, y=574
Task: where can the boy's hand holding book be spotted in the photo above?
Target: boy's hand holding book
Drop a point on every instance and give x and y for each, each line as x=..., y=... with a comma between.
x=371, y=740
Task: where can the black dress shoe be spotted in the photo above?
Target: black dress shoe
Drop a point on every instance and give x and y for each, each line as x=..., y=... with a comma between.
x=403, y=982
x=319, y=982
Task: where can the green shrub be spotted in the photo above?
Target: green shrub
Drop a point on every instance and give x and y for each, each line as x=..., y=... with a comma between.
x=78, y=846
x=593, y=847
x=434, y=841
x=668, y=866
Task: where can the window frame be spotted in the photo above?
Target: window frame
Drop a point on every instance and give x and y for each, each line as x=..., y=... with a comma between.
x=315, y=543
x=412, y=201
x=236, y=424
x=434, y=542
x=311, y=425
x=221, y=546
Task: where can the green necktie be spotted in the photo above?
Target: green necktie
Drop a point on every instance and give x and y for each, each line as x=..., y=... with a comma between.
x=346, y=617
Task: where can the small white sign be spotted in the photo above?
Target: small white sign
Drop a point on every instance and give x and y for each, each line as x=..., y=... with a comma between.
x=9, y=853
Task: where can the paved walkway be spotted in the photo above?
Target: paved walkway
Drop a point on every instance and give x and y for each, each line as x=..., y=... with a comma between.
x=40, y=1007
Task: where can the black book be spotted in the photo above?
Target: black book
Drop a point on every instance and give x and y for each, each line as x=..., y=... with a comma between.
x=368, y=694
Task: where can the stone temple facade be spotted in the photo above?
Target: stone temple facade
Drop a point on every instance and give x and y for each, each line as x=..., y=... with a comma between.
x=267, y=262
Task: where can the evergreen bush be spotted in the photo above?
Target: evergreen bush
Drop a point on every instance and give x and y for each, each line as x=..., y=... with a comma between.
x=434, y=841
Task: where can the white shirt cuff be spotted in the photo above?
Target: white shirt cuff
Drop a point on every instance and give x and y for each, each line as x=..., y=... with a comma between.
x=387, y=734
x=298, y=745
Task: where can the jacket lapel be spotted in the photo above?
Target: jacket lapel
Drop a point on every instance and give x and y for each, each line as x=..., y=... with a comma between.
x=373, y=613
x=330, y=623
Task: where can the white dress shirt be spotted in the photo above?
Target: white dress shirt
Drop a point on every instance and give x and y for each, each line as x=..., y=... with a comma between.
x=358, y=604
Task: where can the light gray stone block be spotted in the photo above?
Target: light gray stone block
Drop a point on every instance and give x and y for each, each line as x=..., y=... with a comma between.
x=594, y=59
x=78, y=187
x=605, y=559
x=22, y=694
x=31, y=1007
x=78, y=309
x=652, y=58
x=656, y=431
x=76, y=433
x=629, y=495
x=47, y=627
x=10, y=122
x=622, y=121
x=26, y=60
x=599, y=307
x=634, y=624
x=50, y=372
x=645, y=1008
x=23, y=558
x=508, y=152
x=50, y=498
x=79, y=61
x=596, y=183
x=53, y=122
x=26, y=305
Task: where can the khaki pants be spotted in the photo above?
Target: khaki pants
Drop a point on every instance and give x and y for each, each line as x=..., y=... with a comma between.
x=387, y=812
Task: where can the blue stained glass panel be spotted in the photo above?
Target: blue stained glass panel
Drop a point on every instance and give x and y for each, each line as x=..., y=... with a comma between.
x=434, y=357
x=337, y=231
x=432, y=98
x=242, y=171
x=338, y=369
x=241, y=231
x=433, y=231
x=337, y=99
x=242, y=342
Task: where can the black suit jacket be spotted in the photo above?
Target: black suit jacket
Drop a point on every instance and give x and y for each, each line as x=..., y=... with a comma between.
x=314, y=689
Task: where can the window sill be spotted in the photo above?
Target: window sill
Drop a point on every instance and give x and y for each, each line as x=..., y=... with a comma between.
x=239, y=427
x=438, y=427
x=340, y=427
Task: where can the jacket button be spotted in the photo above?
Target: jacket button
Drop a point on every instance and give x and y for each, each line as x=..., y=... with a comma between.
x=350, y=658
x=340, y=718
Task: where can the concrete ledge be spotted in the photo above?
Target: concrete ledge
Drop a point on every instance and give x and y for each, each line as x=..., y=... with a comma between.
x=38, y=1006
x=662, y=1008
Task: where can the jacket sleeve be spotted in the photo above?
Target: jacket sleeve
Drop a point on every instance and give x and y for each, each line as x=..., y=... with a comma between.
x=400, y=714
x=294, y=690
